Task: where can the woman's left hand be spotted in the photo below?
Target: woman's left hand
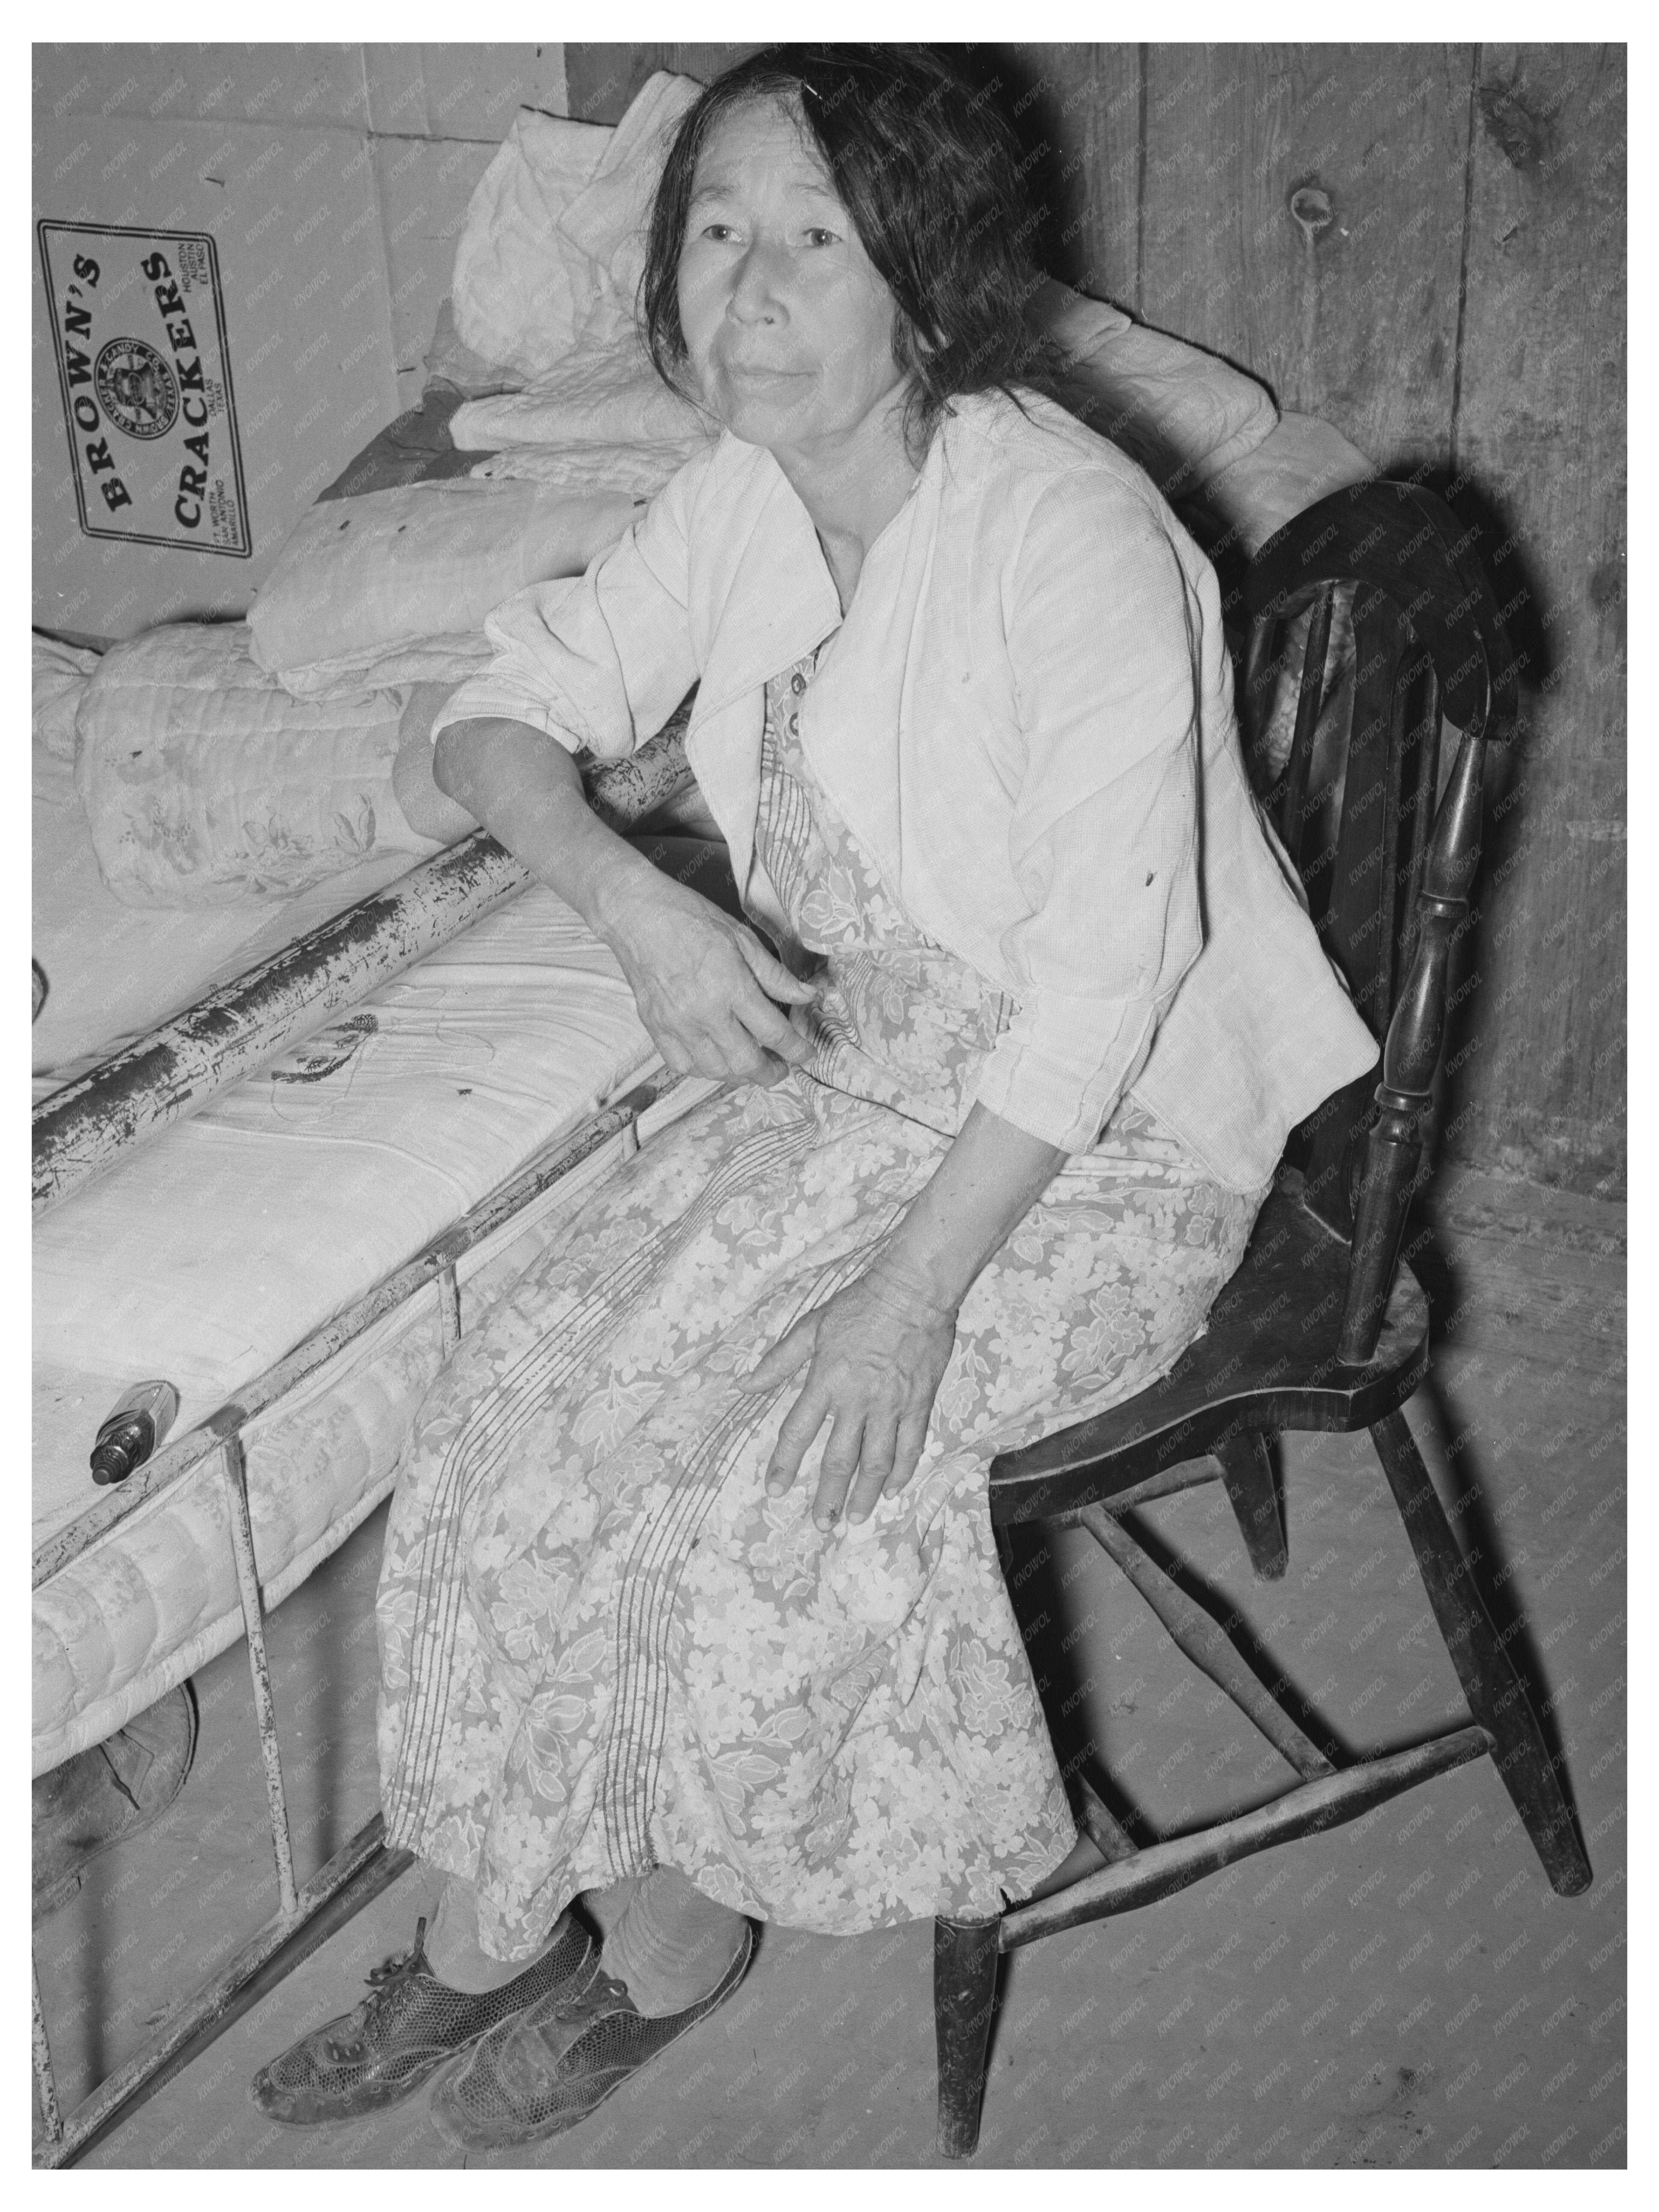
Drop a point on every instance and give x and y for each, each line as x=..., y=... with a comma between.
x=874, y=1357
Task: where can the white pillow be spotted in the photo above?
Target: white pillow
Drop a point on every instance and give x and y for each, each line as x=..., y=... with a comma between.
x=549, y=264
x=553, y=246
x=1182, y=413
x=60, y=673
x=518, y=295
x=608, y=221
x=604, y=410
x=1077, y=324
x=1304, y=460
x=420, y=561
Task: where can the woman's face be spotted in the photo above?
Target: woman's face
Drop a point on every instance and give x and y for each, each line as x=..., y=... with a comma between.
x=788, y=328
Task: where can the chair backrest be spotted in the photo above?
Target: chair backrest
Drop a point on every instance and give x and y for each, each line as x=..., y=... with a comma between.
x=1374, y=605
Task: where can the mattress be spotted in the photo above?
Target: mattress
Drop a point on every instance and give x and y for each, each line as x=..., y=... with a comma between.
x=113, y=971
x=207, y=1254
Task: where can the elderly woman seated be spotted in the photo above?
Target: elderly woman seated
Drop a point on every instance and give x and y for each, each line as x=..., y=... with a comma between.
x=690, y=1592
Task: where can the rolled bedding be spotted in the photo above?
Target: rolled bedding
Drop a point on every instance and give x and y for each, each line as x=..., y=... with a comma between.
x=204, y=783
x=359, y=576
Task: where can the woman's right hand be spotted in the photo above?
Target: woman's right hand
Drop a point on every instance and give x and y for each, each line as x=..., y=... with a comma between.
x=705, y=986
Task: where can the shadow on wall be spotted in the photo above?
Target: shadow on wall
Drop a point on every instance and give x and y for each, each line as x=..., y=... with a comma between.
x=1025, y=94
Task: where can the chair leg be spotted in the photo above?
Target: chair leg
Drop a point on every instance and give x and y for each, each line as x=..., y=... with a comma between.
x=964, y=1990
x=1248, y=1471
x=1494, y=1690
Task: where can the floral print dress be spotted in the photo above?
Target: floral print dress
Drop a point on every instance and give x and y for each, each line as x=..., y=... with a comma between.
x=603, y=1647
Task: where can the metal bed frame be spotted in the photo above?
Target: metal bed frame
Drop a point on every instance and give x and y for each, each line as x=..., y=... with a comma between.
x=85, y=1127
x=305, y=1915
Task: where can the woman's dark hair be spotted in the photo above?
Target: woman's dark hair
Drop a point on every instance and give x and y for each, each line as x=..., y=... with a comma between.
x=930, y=175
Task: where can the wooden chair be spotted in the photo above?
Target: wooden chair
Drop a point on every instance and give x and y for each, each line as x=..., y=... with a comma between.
x=1322, y=1328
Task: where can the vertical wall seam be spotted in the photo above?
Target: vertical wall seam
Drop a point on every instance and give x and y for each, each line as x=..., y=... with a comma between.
x=362, y=67
x=1141, y=53
x=1463, y=260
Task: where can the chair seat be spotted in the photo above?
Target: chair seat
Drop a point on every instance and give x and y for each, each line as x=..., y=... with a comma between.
x=1267, y=1361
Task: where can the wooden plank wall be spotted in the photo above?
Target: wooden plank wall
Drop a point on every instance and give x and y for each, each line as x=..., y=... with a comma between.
x=1448, y=289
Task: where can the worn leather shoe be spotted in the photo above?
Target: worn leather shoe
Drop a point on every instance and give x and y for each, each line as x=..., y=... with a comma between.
x=108, y=1795
x=549, y=2068
x=408, y=2025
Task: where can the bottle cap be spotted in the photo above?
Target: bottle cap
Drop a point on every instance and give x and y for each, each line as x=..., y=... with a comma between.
x=125, y=1440
x=111, y=1462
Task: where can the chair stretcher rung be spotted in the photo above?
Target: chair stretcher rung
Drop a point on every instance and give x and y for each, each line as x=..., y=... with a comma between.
x=1206, y=1645
x=1112, y=1841
x=1163, y=1868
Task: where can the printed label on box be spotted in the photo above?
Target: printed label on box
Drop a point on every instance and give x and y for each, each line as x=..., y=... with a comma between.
x=139, y=325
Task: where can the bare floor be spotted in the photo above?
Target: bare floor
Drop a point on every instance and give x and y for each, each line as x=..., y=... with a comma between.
x=1403, y=1990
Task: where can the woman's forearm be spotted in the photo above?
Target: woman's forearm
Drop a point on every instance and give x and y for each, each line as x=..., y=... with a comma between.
x=526, y=790
x=708, y=990
x=982, y=1189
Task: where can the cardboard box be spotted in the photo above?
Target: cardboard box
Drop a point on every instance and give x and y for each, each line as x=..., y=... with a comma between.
x=272, y=229
x=215, y=344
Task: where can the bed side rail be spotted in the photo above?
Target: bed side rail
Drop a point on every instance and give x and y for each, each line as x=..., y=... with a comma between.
x=305, y=1914
x=234, y=1031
